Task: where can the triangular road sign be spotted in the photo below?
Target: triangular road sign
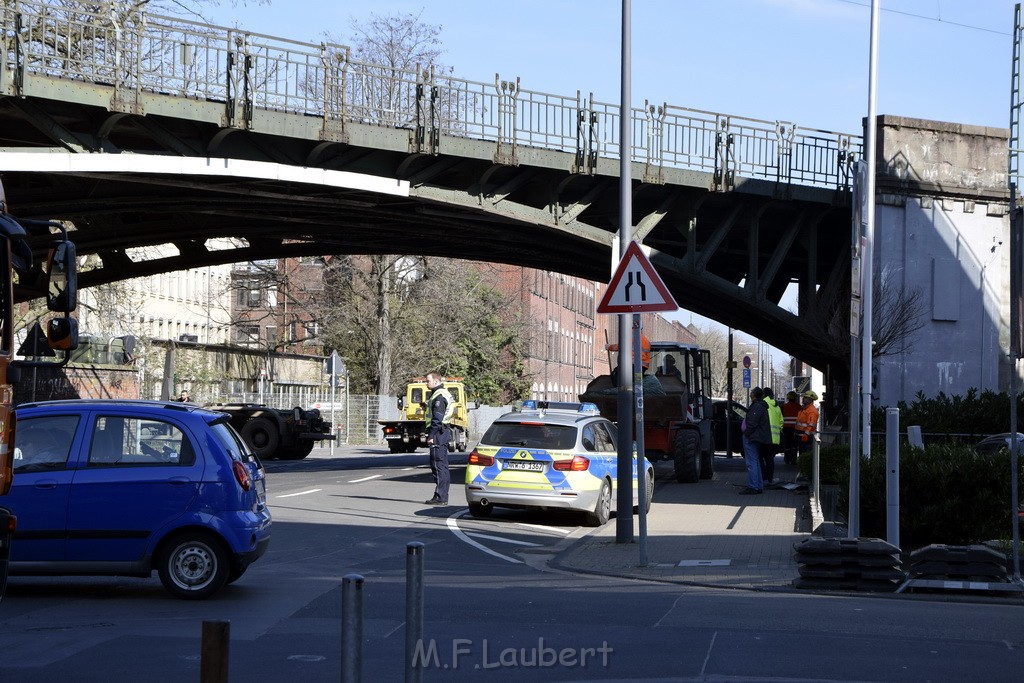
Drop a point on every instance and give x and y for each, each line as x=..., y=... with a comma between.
x=636, y=287
x=36, y=344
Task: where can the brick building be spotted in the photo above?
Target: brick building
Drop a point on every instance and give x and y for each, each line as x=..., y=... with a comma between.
x=568, y=338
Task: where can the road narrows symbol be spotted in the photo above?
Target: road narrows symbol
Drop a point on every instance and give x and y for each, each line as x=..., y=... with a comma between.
x=636, y=287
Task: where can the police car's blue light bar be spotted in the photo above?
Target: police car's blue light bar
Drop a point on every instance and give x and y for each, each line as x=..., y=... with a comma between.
x=582, y=408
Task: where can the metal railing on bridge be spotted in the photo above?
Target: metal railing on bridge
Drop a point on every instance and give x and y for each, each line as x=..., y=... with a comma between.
x=135, y=53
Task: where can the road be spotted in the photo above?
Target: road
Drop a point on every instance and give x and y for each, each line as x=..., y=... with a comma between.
x=494, y=610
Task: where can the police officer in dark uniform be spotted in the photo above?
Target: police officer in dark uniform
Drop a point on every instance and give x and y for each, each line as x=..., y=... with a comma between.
x=440, y=408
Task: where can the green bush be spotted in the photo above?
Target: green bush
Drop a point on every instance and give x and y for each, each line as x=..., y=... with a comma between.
x=977, y=413
x=833, y=464
x=948, y=494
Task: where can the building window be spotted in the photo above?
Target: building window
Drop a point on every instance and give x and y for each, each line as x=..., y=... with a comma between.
x=249, y=294
x=247, y=335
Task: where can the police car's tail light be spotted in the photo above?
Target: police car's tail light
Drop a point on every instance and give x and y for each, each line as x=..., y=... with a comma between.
x=242, y=475
x=577, y=464
x=482, y=460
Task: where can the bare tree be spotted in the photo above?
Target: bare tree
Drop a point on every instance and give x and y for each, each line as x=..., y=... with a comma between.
x=717, y=342
x=897, y=317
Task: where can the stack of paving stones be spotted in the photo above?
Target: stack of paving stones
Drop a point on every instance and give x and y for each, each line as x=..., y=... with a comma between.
x=858, y=564
x=975, y=563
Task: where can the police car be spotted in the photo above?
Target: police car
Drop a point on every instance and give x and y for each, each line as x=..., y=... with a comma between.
x=551, y=456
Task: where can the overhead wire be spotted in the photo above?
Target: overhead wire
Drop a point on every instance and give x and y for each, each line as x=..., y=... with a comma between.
x=927, y=18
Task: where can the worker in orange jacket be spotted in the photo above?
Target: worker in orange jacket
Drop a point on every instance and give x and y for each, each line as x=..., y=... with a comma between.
x=645, y=356
x=807, y=420
x=790, y=409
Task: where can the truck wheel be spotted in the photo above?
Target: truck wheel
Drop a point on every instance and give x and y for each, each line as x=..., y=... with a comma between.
x=461, y=441
x=396, y=446
x=193, y=566
x=707, y=461
x=603, y=507
x=298, y=451
x=261, y=434
x=686, y=454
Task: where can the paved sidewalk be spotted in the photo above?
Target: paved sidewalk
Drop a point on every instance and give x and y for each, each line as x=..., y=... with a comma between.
x=706, y=533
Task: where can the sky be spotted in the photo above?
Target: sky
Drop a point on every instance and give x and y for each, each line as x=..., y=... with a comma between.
x=801, y=61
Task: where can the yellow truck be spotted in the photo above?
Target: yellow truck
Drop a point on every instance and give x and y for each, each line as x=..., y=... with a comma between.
x=407, y=433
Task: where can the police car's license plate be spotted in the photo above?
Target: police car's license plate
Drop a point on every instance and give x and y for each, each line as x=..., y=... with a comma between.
x=528, y=465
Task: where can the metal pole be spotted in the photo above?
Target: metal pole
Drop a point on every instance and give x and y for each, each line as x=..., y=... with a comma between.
x=334, y=425
x=815, y=469
x=892, y=476
x=728, y=401
x=857, y=288
x=351, y=628
x=213, y=657
x=624, y=470
x=868, y=266
x=413, y=610
x=1016, y=301
x=641, y=458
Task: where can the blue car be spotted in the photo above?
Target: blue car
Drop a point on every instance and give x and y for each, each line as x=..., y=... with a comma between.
x=116, y=487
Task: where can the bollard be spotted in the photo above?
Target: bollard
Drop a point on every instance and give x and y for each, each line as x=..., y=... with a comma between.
x=815, y=476
x=351, y=628
x=892, y=476
x=413, y=611
x=213, y=655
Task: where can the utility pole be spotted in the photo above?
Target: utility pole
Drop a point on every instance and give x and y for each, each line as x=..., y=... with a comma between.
x=624, y=471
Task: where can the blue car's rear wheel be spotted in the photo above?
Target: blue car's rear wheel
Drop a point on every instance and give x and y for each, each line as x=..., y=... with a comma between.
x=193, y=566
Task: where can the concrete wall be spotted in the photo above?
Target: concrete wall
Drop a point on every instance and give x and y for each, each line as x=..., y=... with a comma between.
x=942, y=229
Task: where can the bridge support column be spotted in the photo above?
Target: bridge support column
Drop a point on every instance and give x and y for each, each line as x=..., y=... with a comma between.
x=942, y=256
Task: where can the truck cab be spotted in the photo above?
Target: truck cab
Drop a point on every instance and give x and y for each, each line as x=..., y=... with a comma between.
x=407, y=433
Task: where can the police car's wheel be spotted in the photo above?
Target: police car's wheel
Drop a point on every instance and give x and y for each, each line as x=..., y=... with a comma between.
x=648, y=494
x=603, y=507
x=193, y=566
x=480, y=510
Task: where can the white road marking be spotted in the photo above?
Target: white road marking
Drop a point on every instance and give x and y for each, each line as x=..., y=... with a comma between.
x=375, y=476
x=453, y=525
x=300, y=493
x=548, y=528
x=501, y=539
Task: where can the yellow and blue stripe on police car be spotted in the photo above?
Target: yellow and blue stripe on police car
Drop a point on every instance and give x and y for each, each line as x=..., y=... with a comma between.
x=532, y=469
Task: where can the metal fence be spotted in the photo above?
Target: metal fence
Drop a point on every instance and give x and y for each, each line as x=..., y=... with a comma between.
x=136, y=52
x=354, y=416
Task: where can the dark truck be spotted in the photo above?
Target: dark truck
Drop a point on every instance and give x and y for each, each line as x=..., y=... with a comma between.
x=275, y=433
